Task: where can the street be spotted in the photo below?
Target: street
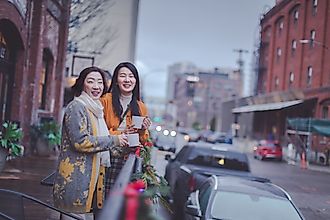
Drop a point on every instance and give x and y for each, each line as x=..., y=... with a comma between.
x=309, y=189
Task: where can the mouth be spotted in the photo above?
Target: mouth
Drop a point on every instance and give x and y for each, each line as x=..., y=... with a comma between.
x=96, y=93
x=127, y=86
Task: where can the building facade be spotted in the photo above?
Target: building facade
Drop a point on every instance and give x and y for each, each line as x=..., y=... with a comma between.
x=294, y=75
x=198, y=97
x=33, y=38
x=102, y=33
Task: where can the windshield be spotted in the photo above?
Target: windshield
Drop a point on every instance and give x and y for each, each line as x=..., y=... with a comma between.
x=251, y=207
x=219, y=159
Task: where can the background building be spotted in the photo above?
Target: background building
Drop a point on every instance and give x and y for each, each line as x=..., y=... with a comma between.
x=198, y=96
x=101, y=33
x=293, y=79
x=33, y=39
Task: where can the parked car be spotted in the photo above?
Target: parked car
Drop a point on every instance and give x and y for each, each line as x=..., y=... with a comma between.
x=195, y=162
x=189, y=135
x=219, y=137
x=165, y=139
x=226, y=197
x=204, y=134
x=268, y=149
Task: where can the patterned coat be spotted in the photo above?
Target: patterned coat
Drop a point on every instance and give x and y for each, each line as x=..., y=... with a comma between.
x=78, y=169
x=118, y=160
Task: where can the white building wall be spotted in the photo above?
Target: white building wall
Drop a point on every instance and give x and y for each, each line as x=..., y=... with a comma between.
x=107, y=27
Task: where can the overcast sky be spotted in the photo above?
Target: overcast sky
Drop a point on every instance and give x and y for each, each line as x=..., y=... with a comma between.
x=204, y=32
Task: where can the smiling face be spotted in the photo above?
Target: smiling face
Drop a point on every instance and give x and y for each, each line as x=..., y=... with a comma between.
x=93, y=85
x=126, y=81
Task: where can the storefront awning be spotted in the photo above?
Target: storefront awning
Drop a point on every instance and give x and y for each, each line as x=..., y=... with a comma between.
x=266, y=107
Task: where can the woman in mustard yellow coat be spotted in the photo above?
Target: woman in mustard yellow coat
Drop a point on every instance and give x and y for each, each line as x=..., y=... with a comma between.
x=79, y=181
x=120, y=104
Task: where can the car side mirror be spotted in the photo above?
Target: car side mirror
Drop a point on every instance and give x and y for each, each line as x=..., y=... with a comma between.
x=192, y=210
x=168, y=157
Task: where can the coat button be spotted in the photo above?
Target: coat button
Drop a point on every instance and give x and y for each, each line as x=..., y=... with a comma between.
x=101, y=173
x=100, y=189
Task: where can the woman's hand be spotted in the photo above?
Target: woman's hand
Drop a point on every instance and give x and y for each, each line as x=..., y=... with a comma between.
x=146, y=123
x=123, y=141
x=130, y=129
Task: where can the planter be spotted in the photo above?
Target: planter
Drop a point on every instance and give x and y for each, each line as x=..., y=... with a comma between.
x=3, y=157
x=43, y=148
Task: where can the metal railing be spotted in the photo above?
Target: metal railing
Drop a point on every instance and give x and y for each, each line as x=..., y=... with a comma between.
x=13, y=205
x=114, y=206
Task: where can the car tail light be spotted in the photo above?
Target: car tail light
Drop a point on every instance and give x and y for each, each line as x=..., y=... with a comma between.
x=192, y=184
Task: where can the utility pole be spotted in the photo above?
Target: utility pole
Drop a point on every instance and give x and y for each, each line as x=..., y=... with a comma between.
x=240, y=61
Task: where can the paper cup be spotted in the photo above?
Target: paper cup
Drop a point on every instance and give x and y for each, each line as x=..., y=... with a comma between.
x=137, y=121
x=133, y=140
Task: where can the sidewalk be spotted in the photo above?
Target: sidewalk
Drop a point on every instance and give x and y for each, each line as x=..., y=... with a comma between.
x=246, y=145
x=24, y=175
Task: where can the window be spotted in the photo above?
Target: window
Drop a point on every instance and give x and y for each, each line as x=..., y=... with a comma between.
x=277, y=82
x=314, y=7
x=293, y=46
x=325, y=111
x=291, y=78
x=181, y=156
x=4, y=52
x=204, y=197
x=281, y=25
x=44, y=78
x=312, y=38
x=295, y=16
x=309, y=75
x=278, y=53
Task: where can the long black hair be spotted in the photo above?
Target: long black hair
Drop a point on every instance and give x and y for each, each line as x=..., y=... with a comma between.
x=78, y=87
x=114, y=89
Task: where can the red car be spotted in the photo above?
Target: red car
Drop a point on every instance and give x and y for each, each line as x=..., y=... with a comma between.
x=268, y=149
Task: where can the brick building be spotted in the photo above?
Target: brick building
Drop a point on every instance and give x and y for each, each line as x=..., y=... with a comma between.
x=198, y=96
x=294, y=75
x=33, y=38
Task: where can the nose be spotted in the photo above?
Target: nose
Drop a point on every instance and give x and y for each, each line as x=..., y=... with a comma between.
x=126, y=79
x=96, y=86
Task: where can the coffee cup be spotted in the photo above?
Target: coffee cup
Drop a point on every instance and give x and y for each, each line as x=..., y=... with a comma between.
x=133, y=139
x=137, y=121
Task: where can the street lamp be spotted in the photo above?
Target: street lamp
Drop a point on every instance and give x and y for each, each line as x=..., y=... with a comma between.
x=311, y=41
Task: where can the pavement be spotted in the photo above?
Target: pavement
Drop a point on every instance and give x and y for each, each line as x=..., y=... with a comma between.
x=24, y=175
x=246, y=145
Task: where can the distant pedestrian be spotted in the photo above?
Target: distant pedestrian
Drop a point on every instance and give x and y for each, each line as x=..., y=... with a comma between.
x=291, y=153
x=84, y=148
